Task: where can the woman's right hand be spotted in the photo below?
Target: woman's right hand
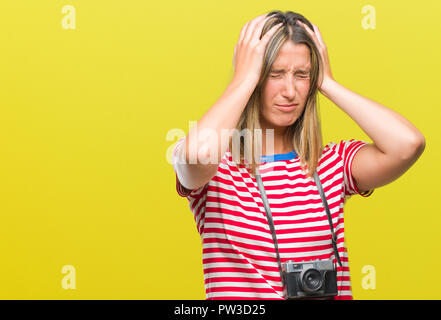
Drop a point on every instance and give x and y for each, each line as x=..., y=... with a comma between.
x=249, y=50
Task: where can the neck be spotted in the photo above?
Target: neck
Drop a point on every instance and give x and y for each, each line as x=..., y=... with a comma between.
x=280, y=143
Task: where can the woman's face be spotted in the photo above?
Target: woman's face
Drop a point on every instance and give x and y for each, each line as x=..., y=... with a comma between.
x=288, y=83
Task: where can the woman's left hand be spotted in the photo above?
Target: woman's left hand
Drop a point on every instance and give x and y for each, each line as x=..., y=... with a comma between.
x=321, y=46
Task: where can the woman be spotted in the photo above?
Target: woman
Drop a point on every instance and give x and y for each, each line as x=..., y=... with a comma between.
x=281, y=62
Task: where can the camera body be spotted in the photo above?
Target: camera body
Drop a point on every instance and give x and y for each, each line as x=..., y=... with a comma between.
x=311, y=279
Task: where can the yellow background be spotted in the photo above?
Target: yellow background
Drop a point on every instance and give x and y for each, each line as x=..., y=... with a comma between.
x=84, y=117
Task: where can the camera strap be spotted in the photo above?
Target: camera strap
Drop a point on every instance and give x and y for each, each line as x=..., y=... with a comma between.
x=269, y=218
x=271, y=222
x=328, y=213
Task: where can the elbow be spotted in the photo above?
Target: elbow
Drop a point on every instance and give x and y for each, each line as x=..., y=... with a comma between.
x=419, y=143
x=415, y=147
x=422, y=144
x=203, y=155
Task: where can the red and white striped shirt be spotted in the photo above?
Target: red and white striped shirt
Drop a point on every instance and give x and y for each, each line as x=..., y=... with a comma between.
x=239, y=258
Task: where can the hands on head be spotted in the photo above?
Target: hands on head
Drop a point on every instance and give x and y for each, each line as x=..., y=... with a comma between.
x=250, y=49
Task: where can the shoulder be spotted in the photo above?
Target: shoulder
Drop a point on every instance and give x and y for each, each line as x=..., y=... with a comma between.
x=340, y=153
x=330, y=150
x=344, y=148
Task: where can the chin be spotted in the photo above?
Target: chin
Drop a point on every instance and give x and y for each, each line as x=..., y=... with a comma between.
x=280, y=121
x=285, y=122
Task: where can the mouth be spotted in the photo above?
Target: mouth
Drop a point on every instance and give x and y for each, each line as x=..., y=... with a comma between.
x=287, y=107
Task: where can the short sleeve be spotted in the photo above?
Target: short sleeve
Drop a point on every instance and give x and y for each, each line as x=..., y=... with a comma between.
x=197, y=198
x=347, y=149
x=181, y=175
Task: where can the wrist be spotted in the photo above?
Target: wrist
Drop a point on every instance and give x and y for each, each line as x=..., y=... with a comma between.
x=246, y=84
x=327, y=85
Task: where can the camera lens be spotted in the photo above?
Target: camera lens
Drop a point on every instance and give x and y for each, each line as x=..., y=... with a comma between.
x=312, y=280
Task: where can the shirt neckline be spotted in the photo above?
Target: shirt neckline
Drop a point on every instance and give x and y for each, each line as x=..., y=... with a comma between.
x=278, y=157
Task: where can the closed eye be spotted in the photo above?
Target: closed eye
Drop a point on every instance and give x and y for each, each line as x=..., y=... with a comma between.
x=298, y=75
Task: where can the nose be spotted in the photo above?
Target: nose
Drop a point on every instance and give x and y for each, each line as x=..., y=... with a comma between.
x=289, y=88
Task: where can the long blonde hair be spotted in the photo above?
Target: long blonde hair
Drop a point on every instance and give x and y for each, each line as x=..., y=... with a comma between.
x=305, y=133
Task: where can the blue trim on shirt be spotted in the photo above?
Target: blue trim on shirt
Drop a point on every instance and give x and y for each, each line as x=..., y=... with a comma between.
x=277, y=157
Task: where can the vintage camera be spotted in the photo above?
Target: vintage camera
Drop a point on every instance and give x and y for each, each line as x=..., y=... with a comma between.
x=312, y=279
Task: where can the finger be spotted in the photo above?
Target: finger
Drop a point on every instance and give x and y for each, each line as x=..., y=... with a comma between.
x=270, y=32
x=243, y=31
x=319, y=35
x=234, y=57
x=250, y=31
x=305, y=26
x=259, y=27
x=311, y=33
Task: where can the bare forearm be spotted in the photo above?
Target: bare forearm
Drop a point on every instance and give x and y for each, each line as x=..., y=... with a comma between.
x=391, y=133
x=211, y=134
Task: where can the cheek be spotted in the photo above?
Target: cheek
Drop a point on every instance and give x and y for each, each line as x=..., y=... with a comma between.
x=303, y=88
x=271, y=89
x=268, y=94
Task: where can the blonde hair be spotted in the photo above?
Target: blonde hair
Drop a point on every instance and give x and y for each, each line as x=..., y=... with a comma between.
x=305, y=133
